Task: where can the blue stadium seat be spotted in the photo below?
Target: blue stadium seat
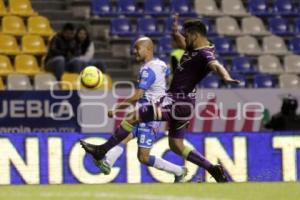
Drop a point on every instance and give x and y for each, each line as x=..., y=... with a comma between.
x=209, y=27
x=297, y=25
x=165, y=44
x=148, y=26
x=223, y=45
x=183, y=7
x=121, y=27
x=210, y=81
x=285, y=8
x=279, y=26
x=263, y=81
x=168, y=25
x=259, y=8
x=102, y=8
x=243, y=81
x=295, y=45
x=155, y=8
x=242, y=65
x=128, y=7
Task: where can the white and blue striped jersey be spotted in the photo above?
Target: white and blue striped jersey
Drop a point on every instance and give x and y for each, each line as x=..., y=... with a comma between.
x=152, y=79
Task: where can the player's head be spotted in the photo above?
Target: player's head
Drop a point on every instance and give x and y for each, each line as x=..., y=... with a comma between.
x=194, y=31
x=289, y=105
x=68, y=31
x=143, y=48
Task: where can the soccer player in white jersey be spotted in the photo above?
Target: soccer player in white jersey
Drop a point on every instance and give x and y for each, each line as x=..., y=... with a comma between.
x=151, y=87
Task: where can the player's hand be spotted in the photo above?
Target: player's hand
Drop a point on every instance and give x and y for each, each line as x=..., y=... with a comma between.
x=110, y=114
x=231, y=81
x=175, y=22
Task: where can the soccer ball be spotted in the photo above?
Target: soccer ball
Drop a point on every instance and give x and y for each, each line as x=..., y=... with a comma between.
x=91, y=77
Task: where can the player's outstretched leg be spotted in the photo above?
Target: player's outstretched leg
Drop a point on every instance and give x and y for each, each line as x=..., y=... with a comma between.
x=162, y=164
x=98, y=151
x=192, y=155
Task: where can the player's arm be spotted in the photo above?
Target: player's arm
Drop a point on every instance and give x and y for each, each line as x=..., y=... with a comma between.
x=218, y=68
x=138, y=93
x=177, y=36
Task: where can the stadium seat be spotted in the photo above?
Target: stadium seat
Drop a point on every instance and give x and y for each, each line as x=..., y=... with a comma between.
x=40, y=25
x=297, y=25
x=210, y=27
x=289, y=81
x=5, y=66
x=234, y=8
x=259, y=8
x=128, y=7
x=224, y=45
x=183, y=7
x=8, y=45
x=279, y=26
x=227, y=26
x=18, y=82
x=211, y=81
x=148, y=26
x=285, y=8
x=3, y=10
x=269, y=64
x=263, y=81
x=122, y=27
x=208, y=8
x=253, y=26
x=21, y=7
x=248, y=45
x=242, y=64
x=70, y=81
x=165, y=44
x=13, y=25
x=33, y=44
x=292, y=64
x=26, y=64
x=294, y=45
x=274, y=45
x=243, y=81
x=103, y=8
x=155, y=8
x=2, y=85
x=169, y=23
x=45, y=81
x=107, y=82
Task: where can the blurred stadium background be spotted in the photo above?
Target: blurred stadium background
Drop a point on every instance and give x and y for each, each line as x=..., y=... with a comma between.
x=258, y=41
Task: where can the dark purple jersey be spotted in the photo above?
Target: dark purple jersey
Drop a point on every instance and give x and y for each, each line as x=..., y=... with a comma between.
x=192, y=69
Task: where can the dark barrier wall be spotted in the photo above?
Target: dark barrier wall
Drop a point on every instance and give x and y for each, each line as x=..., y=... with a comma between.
x=56, y=158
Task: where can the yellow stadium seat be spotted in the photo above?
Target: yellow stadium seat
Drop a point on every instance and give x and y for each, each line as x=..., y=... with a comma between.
x=40, y=25
x=107, y=82
x=21, y=7
x=70, y=81
x=2, y=85
x=5, y=66
x=3, y=10
x=33, y=44
x=13, y=25
x=26, y=64
x=8, y=45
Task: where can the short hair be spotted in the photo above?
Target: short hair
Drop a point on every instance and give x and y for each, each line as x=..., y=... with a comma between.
x=68, y=27
x=195, y=25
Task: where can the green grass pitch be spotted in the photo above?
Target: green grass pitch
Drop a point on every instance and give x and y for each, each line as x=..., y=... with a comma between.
x=186, y=191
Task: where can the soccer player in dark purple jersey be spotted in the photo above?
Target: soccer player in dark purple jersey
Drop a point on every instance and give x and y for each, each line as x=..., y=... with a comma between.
x=177, y=107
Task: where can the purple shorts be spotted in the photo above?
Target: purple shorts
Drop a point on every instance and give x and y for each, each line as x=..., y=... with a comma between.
x=177, y=112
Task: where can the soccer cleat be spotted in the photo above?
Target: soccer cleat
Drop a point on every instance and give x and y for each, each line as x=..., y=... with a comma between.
x=103, y=165
x=181, y=178
x=92, y=149
x=217, y=171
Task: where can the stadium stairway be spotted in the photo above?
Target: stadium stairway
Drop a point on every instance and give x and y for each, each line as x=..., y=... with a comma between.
x=62, y=11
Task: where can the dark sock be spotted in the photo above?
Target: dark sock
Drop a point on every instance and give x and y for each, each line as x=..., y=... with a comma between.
x=114, y=140
x=198, y=159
